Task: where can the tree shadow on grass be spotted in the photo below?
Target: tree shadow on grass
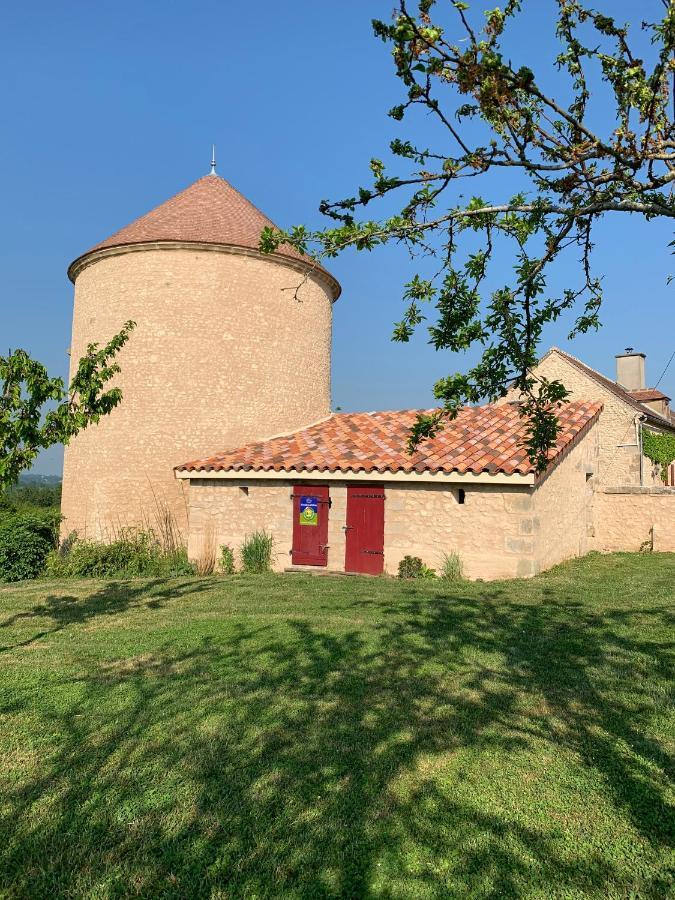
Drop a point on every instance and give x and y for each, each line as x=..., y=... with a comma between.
x=297, y=761
x=110, y=599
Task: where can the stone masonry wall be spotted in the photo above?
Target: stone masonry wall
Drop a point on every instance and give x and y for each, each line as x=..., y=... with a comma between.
x=222, y=354
x=491, y=531
x=563, y=525
x=224, y=512
x=627, y=518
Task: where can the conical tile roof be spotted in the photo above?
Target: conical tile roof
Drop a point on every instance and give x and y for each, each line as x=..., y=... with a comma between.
x=209, y=211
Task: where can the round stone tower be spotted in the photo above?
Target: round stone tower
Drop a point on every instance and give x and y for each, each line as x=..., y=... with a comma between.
x=231, y=345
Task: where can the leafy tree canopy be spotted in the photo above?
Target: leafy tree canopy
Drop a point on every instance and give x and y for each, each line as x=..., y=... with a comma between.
x=28, y=425
x=575, y=167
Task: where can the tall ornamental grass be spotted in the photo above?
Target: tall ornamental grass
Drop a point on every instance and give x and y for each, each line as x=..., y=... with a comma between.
x=256, y=553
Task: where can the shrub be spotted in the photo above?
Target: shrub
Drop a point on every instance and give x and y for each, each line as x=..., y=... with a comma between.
x=413, y=567
x=452, y=568
x=25, y=542
x=134, y=553
x=226, y=560
x=44, y=519
x=410, y=567
x=177, y=563
x=256, y=553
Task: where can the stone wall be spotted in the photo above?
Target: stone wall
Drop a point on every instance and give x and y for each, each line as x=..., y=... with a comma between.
x=495, y=531
x=490, y=531
x=224, y=512
x=628, y=518
x=223, y=354
x=563, y=505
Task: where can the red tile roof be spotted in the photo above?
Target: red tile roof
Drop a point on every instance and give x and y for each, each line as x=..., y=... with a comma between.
x=648, y=394
x=210, y=211
x=481, y=439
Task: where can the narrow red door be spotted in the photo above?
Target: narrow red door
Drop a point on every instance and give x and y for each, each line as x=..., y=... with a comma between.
x=310, y=525
x=365, y=530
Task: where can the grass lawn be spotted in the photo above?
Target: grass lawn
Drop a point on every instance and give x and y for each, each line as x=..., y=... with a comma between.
x=318, y=737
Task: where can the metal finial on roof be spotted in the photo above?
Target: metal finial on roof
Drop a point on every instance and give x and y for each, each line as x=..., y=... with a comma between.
x=213, y=160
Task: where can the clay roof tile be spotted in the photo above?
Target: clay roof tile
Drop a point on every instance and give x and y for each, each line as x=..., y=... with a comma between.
x=366, y=442
x=209, y=211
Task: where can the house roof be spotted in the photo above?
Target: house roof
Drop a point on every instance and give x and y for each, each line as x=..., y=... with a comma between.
x=487, y=439
x=613, y=388
x=647, y=394
x=209, y=211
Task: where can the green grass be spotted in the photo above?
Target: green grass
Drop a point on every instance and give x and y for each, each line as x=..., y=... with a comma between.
x=303, y=737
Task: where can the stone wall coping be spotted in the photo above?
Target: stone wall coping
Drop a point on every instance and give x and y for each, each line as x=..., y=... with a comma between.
x=637, y=489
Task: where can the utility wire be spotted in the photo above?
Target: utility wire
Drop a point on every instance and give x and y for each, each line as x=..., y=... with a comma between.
x=665, y=370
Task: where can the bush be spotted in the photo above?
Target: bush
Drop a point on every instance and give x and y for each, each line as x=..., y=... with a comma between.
x=452, y=568
x=25, y=541
x=256, y=553
x=226, y=560
x=133, y=554
x=410, y=567
x=413, y=567
x=45, y=519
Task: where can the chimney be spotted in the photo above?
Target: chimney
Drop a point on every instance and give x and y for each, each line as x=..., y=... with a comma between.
x=630, y=370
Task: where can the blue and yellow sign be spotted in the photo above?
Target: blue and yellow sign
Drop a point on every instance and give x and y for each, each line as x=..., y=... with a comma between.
x=309, y=510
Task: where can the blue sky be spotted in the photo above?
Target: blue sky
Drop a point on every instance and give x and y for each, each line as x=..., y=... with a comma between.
x=108, y=109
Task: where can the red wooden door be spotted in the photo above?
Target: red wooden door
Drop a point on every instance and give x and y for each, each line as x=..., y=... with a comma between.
x=310, y=525
x=365, y=530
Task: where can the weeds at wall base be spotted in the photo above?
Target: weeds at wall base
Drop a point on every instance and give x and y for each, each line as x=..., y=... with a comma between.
x=256, y=553
x=135, y=553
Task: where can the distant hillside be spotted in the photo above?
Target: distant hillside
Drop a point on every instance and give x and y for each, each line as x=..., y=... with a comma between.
x=41, y=480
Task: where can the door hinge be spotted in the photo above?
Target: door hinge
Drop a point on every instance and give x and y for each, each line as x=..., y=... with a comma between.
x=374, y=552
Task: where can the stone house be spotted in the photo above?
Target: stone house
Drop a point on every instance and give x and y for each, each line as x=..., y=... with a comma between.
x=471, y=490
x=207, y=376
x=632, y=506
x=629, y=407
